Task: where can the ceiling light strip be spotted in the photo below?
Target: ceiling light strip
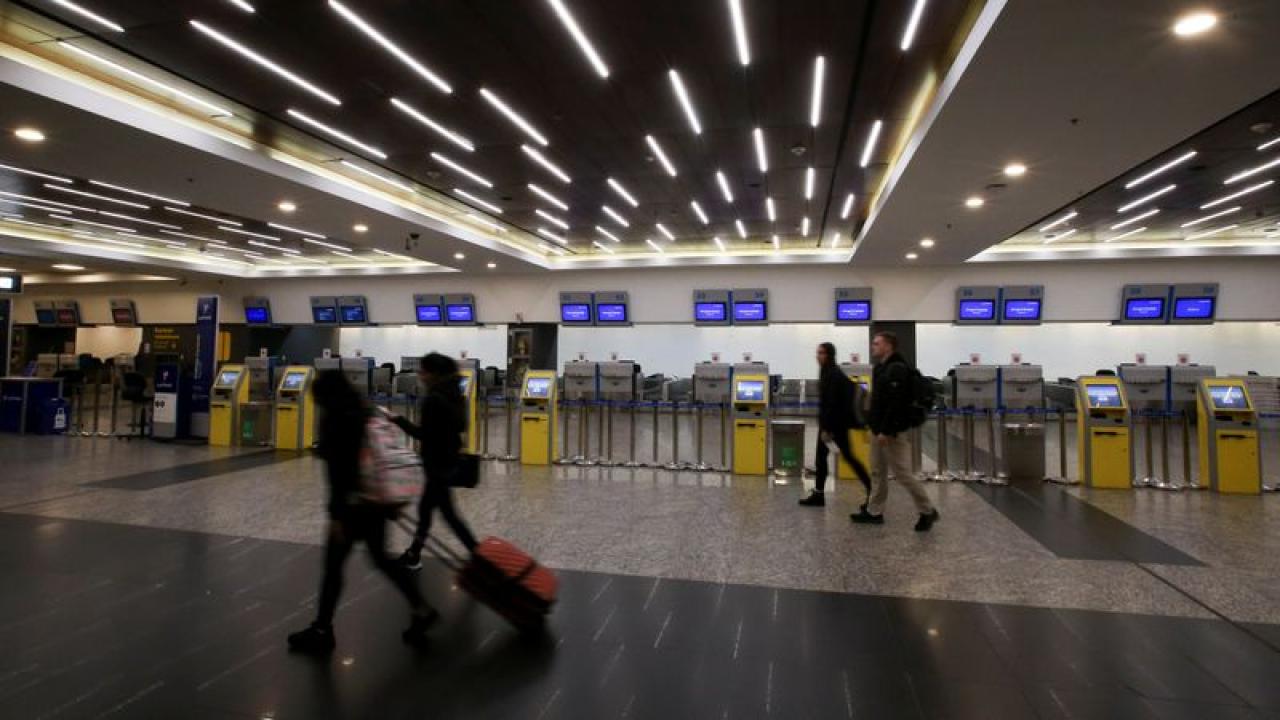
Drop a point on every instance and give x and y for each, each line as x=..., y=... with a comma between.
x=1228, y=198
x=666, y=233
x=551, y=218
x=654, y=245
x=1269, y=143
x=104, y=198
x=601, y=245
x=200, y=238
x=36, y=206
x=913, y=24
x=847, y=207
x=444, y=160
x=33, y=173
x=547, y=233
x=724, y=186
x=662, y=156
x=55, y=203
x=739, y=23
x=873, y=137
x=815, y=99
x=139, y=193
x=243, y=5
x=809, y=176
x=1171, y=164
x=683, y=96
x=130, y=218
x=571, y=24
x=516, y=118
x=211, y=218
x=299, y=231
x=108, y=226
x=622, y=192
x=1135, y=218
x=770, y=210
x=486, y=222
x=247, y=233
x=324, y=244
x=762, y=158
x=334, y=132
x=549, y=197
x=804, y=226
x=482, y=203
x=374, y=34
x=616, y=217
x=608, y=234
x=719, y=243
x=1251, y=172
x=105, y=22
x=1059, y=236
x=1207, y=218
x=441, y=130
x=544, y=162
x=265, y=62
x=1070, y=214
x=742, y=229
x=1215, y=231
x=697, y=209
x=1146, y=198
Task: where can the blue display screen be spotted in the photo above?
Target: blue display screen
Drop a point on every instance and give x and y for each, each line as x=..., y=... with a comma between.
x=1228, y=397
x=977, y=309
x=428, y=313
x=749, y=312
x=257, y=316
x=1197, y=308
x=1021, y=309
x=1144, y=309
x=611, y=313
x=853, y=310
x=354, y=315
x=46, y=317
x=749, y=391
x=460, y=313
x=1104, y=396
x=575, y=313
x=709, y=312
x=324, y=314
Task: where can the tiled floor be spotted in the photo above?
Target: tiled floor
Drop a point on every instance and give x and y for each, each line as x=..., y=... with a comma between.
x=144, y=579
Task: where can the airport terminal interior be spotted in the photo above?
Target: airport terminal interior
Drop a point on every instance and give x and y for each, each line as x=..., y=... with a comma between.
x=630, y=226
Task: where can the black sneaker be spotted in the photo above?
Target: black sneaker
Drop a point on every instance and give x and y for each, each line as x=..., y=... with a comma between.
x=416, y=634
x=412, y=558
x=814, y=499
x=926, y=521
x=315, y=640
x=866, y=518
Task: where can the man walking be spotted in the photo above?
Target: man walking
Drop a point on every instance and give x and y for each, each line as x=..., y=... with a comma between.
x=836, y=397
x=893, y=415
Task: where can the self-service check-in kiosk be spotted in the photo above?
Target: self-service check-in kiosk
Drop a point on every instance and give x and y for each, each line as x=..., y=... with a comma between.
x=468, y=383
x=538, y=417
x=229, y=393
x=1103, y=440
x=295, y=409
x=750, y=420
x=859, y=438
x=1228, y=431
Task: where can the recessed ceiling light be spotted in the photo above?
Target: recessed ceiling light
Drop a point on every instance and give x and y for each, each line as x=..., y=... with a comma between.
x=459, y=256
x=516, y=118
x=662, y=229
x=8, y=269
x=848, y=207
x=872, y=138
x=1135, y=218
x=67, y=267
x=265, y=62
x=551, y=218
x=739, y=31
x=1124, y=235
x=974, y=201
x=1207, y=218
x=1146, y=198
x=286, y=206
x=602, y=246
x=615, y=215
x=927, y=243
x=1171, y=164
x=912, y=256
x=334, y=132
x=482, y=203
x=697, y=209
x=804, y=226
x=815, y=99
x=1251, y=172
x=348, y=256
x=1195, y=23
x=1014, y=170
x=360, y=228
x=491, y=265
x=683, y=96
x=549, y=197
x=570, y=24
x=769, y=209
x=544, y=162
x=762, y=158
x=217, y=110
x=441, y=130
x=742, y=229
x=913, y=24
x=809, y=175
x=1236, y=194
x=617, y=187
x=471, y=174
x=373, y=34
x=662, y=156
x=724, y=186
x=28, y=134
x=104, y=22
x=33, y=173
x=1070, y=214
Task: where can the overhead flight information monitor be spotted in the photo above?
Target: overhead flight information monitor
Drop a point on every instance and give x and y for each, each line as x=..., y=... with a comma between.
x=1193, y=308
x=1194, y=303
x=44, y=313
x=853, y=306
x=1021, y=304
x=1021, y=310
x=257, y=311
x=972, y=310
x=1144, y=304
x=460, y=309
x=10, y=284
x=428, y=309
x=977, y=305
x=1144, y=309
x=123, y=312
x=575, y=308
x=461, y=314
x=67, y=312
x=324, y=310
x=354, y=310
x=611, y=307
x=711, y=307
x=750, y=306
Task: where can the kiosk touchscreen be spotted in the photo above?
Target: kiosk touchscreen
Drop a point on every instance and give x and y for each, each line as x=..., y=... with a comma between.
x=467, y=384
x=1103, y=440
x=538, y=417
x=1230, y=460
x=295, y=409
x=229, y=393
x=750, y=423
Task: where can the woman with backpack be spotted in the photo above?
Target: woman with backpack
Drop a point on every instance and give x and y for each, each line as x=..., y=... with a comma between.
x=837, y=400
x=353, y=517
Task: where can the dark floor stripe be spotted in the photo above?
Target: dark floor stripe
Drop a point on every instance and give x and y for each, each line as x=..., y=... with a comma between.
x=153, y=479
x=1072, y=528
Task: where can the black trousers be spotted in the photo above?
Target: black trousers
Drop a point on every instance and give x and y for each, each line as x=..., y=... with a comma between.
x=820, y=462
x=438, y=494
x=357, y=523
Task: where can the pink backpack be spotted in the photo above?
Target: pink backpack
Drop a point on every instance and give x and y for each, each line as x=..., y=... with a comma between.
x=390, y=470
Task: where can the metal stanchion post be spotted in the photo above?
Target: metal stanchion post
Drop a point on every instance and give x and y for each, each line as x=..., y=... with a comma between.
x=484, y=429
x=1191, y=483
x=115, y=396
x=97, y=409
x=724, y=444
x=508, y=402
x=993, y=462
x=968, y=445
x=675, y=436
x=1147, y=455
x=700, y=416
x=940, y=456
x=656, y=461
x=601, y=459
x=607, y=420
x=631, y=430
x=1166, y=480
x=584, y=434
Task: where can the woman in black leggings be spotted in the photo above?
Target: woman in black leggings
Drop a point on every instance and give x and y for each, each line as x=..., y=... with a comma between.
x=352, y=519
x=442, y=421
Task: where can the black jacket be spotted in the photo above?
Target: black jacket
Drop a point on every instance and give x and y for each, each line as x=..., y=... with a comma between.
x=835, y=400
x=441, y=422
x=891, y=396
x=341, y=439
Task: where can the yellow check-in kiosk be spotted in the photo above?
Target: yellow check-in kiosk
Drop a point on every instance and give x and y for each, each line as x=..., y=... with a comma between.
x=538, y=417
x=1103, y=440
x=467, y=384
x=859, y=438
x=1227, y=424
x=230, y=391
x=750, y=424
x=295, y=409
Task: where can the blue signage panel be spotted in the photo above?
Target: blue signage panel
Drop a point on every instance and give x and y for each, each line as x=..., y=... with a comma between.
x=1144, y=309
x=977, y=309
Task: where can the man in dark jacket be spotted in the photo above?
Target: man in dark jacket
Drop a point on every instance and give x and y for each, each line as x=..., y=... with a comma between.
x=893, y=415
x=836, y=397
x=442, y=420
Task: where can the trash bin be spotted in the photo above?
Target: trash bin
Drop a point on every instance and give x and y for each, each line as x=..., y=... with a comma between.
x=1024, y=451
x=788, y=447
x=53, y=417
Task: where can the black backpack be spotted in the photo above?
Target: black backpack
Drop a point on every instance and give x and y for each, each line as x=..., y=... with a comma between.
x=923, y=397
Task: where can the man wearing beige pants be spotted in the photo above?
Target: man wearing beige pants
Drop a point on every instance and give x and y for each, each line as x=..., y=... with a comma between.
x=893, y=414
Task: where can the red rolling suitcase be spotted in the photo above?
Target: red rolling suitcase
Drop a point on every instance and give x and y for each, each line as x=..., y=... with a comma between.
x=506, y=578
